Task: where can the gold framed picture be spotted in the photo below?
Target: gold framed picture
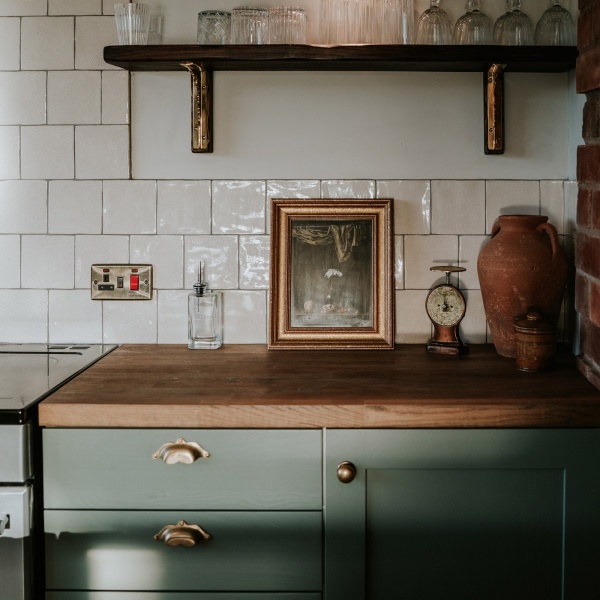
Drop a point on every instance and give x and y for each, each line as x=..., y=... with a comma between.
x=332, y=279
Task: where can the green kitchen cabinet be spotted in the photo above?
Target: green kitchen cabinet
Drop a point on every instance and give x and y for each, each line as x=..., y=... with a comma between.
x=486, y=514
x=178, y=596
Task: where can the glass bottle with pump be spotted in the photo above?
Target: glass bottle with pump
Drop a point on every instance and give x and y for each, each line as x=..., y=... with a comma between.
x=205, y=317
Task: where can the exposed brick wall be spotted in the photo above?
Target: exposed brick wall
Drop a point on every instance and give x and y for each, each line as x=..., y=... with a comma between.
x=587, y=243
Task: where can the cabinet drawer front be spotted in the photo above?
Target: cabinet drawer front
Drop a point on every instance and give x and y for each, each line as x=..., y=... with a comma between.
x=180, y=596
x=246, y=469
x=116, y=550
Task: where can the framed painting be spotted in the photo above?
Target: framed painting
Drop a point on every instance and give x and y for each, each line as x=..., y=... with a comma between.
x=331, y=274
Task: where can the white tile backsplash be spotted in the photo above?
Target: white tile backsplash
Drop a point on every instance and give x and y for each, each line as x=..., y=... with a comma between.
x=47, y=43
x=129, y=207
x=10, y=265
x=47, y=152
x=10, y=44
x=75, y=207
x=22, y=98
x=47, y=261
x=10, y=143
x=67, y=199
x=74, y=97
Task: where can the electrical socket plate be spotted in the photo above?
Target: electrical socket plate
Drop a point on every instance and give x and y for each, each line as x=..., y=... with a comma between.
x=121, y=282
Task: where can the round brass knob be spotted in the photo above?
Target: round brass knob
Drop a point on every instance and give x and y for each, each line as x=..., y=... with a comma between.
x=346, y=471
x=182, y=534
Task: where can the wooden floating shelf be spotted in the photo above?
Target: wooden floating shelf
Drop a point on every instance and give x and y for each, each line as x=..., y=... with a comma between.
x=201, y=61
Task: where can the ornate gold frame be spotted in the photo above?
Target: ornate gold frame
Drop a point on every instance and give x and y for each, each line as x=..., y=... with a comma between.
x=379, y=333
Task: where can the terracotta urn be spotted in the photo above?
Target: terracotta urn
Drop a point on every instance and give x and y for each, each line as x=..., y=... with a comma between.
x=523, y=265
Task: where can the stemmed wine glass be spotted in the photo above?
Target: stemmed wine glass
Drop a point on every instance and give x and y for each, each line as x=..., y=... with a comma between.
x=434, y=26
x=555, y=27
x=474, y=27
x=514, y=27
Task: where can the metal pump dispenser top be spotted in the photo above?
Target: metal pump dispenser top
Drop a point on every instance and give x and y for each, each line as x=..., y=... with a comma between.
x=199, y=286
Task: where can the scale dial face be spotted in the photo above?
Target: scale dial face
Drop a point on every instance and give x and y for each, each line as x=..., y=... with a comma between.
x=445, y=305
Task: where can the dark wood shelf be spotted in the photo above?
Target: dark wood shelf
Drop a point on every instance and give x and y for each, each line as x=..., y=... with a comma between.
x=267, y=57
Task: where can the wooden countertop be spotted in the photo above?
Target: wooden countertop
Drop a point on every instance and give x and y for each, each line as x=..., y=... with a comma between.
x=252, y=387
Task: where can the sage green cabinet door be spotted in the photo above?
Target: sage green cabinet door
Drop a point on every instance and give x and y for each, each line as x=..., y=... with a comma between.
x=179, y=596
x=463, y=515
x=246, y=470
x=249, y=551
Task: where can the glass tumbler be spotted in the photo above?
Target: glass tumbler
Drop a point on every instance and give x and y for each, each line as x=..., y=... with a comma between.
x=287, y=25
x=514, y=27
x=474, y=27
x=397, y=26
x=434, y=26
x=249, y=25
x=214, y=27
x=555, y=27
x=133, y=23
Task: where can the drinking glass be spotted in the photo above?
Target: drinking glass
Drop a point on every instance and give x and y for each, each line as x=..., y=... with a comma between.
x=287, y=25
x=555, y=27
x=133, y=22
x=249, y=25
x=434, y=26
x=474, y=27
x=397, y=26
x=214, y=27
x=514, y=27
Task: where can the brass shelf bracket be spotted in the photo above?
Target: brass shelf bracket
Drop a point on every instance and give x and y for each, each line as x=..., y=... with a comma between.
x=493, y=116
x=201, y=80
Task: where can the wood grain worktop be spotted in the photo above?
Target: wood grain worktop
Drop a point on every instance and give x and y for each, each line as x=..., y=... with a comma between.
x=249, y=386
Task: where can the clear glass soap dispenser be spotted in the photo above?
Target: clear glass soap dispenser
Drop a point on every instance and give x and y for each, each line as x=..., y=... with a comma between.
x=205, y=317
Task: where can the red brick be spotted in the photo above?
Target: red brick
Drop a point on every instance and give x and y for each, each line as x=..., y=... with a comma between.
x=584, y=29
x=591, y=117
x=595, y=303
x=589, y=371
x=588, y=163
x=584, y=207
x=587, y=72
x=582, y=294
x=595, y=19
x=595, y=210
x=587, y=254
x=590, y=341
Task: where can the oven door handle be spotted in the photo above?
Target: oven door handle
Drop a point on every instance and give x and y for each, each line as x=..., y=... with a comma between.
x=4, y=520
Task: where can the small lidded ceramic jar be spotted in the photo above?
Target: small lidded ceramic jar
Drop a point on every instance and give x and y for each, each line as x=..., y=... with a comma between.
x=535, y=341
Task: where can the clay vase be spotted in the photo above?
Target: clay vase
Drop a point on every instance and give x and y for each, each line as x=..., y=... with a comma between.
x=523, y=265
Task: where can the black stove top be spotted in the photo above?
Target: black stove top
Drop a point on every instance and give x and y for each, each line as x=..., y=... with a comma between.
x=30, y=372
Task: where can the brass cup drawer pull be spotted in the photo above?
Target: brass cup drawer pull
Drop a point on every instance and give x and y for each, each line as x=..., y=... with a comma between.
x=346, y=471
x=182, y=534
x=180, y=452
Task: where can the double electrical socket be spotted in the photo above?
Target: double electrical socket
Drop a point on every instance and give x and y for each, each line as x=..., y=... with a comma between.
x=121, y=282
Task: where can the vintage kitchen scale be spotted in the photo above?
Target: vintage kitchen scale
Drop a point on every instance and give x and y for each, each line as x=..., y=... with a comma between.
x=446, y=307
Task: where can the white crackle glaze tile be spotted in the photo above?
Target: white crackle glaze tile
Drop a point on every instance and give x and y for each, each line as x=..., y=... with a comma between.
x=74, y=97
x=115, y=97
x=129, y=322
x=10, y=44
x=302, y=188
x=184, y=207
x=92, y=34
x=10, y=152
x=23, y=206
x=348, y=188
x=399, y=262
x=10, y=265
x=98, y=249
x=102, y=151
x=129, y=207
x=552, y=200
x=75, y=206
x=458, y=207
x=47, y=261
x=412, y=204
x=24, y=316
x=412, y=323
x=73, y=317
x=74, y=7
x=473, y=328
x=173, y=316
x=47, y=44
x=244, y=317
x=219, y=254
x=22, y=98
x=254, y=262
x=469, y=248
x=571, y=190
x=165, y=253
x=47, y=152
x=238, y=207
x=421, y=252
x=510, y=198
x=21, y=8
